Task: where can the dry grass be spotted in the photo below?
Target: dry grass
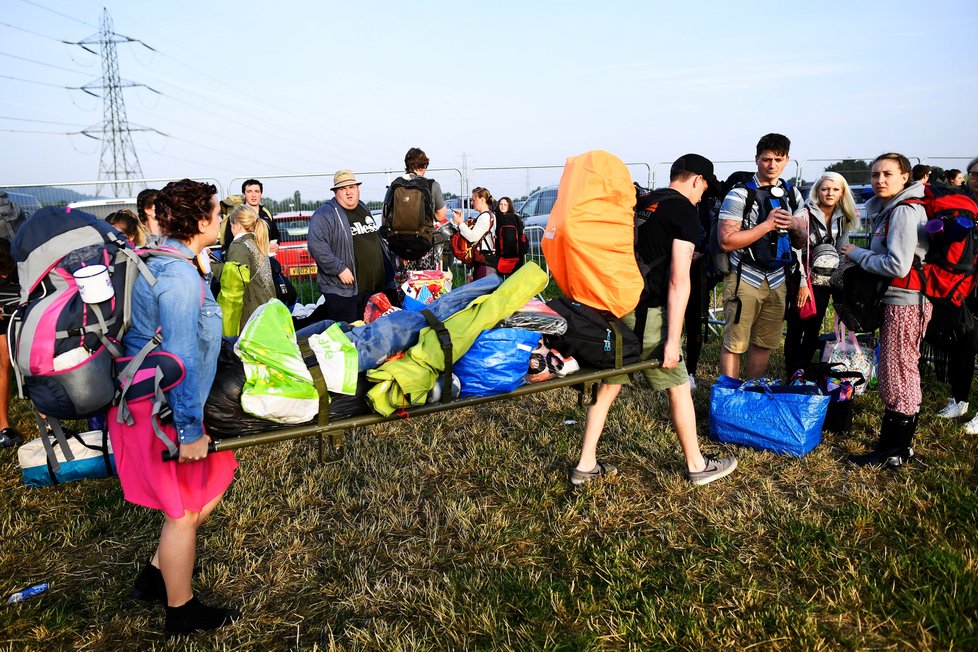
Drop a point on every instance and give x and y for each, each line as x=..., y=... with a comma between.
x=459, y=532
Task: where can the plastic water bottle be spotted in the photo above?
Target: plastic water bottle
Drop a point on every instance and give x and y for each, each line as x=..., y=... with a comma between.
x=27, y=593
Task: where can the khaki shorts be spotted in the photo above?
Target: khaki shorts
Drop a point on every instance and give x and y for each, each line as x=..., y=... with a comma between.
x=653, y=341
x=761, y=315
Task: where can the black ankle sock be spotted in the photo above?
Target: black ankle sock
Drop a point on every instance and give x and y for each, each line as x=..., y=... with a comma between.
x=195, y=616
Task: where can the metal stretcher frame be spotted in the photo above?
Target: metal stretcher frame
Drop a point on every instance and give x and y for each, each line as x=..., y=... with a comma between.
x=585, y=381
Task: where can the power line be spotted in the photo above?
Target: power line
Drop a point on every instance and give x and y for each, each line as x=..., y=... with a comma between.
x=40, y=63
x=40, y=6
x=24, y=29
x=46, y=122
x=33, y=81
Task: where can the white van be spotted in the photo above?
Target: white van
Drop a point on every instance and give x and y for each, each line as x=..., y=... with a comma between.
x=102, y=208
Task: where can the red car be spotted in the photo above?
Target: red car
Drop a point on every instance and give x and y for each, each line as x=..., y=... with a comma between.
x=293, y=228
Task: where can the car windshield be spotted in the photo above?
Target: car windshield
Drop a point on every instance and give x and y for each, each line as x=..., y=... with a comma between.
x=294, y=229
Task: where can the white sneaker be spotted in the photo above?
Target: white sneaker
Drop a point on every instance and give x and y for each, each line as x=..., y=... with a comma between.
x=971, y=428
x=954, y=409
x=692, y=382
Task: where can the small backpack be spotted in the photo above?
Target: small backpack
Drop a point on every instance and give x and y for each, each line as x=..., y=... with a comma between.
x=467, y=252
x=409, y=217
x=718, y=260
x=511, y=243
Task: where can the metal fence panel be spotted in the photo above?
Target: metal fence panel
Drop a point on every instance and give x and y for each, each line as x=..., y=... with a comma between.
x=110, y=195
x=519, y=182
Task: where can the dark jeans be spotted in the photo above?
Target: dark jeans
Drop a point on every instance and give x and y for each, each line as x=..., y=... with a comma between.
x=802, y=339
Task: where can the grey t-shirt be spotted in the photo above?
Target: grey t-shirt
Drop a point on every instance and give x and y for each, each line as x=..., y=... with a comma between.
x=436, y=194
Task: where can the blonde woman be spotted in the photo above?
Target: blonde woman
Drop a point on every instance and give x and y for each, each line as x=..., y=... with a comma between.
x=831, y=218
x=246, y=279
x=128, y=223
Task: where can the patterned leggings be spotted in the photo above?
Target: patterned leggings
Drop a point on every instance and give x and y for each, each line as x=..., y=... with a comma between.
x=899, y=376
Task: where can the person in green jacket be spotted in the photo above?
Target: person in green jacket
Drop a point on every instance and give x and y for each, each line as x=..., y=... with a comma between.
x=246, y=279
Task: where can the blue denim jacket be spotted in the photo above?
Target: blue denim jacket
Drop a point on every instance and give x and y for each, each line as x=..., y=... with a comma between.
x=191, y=328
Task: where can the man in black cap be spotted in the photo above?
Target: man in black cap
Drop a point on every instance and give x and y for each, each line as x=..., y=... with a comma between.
x=664, y=249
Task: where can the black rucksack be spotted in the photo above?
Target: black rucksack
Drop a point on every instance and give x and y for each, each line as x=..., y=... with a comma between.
x=409, y=217
x=857, y=296
x=511, y=243
x=596, y=338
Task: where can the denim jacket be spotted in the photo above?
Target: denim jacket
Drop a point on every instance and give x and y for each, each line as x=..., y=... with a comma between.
x=182, y=306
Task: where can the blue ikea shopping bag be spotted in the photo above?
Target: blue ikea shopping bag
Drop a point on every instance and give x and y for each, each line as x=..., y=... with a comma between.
x=784, y=419
x=497, y=362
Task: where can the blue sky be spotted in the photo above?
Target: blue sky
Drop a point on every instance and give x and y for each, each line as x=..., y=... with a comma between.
x=252, y=88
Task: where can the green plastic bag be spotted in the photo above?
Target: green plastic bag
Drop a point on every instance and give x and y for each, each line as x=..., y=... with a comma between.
x=278, y=386
x=338, y=360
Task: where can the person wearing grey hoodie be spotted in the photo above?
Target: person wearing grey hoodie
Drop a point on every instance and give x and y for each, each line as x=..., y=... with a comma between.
x=350, y=255
x=897, y=239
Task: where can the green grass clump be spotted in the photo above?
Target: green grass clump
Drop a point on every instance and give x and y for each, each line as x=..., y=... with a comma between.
x=458, y=531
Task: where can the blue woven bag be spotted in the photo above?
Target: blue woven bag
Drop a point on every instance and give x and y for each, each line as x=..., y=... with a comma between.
x=766, y=415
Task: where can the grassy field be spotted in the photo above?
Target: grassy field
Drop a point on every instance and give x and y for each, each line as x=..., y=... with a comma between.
x=460, y=532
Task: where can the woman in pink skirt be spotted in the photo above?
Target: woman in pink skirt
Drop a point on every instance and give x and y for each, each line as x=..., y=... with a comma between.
x=182, y=309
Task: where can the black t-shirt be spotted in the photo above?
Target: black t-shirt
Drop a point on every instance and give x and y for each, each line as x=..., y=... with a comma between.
x=674, y=219
x=368, y=257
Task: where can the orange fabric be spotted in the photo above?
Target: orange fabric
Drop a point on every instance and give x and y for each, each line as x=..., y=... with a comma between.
x=589, y=242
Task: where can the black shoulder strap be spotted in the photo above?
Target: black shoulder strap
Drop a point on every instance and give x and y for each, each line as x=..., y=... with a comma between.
x=445, y=339
x=749, y=202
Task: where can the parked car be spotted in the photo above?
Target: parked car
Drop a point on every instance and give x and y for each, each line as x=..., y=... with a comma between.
x=458, y=204
x=27, y=203
x=535, y=213
x=102, y=208
x=293, y=252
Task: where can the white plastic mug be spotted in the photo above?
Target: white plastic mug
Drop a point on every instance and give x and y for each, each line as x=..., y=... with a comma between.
x=94, y=284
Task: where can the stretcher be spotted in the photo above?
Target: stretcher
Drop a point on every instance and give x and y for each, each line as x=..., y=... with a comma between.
x=332, y=435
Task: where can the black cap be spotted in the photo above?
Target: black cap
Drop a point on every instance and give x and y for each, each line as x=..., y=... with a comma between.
x=697, y=165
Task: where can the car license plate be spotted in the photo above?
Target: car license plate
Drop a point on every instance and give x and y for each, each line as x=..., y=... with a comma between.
x=304, y=270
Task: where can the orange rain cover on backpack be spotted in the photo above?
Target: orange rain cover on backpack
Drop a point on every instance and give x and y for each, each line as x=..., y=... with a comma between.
x=589, y=242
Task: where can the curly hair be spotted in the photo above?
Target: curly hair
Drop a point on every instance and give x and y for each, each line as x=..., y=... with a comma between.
x=181, y=204
x=415, y=159
x=145, y=199
x=512, y=207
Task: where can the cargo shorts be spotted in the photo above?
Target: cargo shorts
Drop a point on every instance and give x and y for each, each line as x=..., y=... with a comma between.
x=761, y=315
x=653, y=343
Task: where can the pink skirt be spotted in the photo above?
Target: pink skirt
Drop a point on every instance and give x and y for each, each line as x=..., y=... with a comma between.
x=147, y=480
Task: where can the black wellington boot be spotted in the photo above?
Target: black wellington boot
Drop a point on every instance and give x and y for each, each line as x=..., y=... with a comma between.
x=890, y=442
x=903, y=454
